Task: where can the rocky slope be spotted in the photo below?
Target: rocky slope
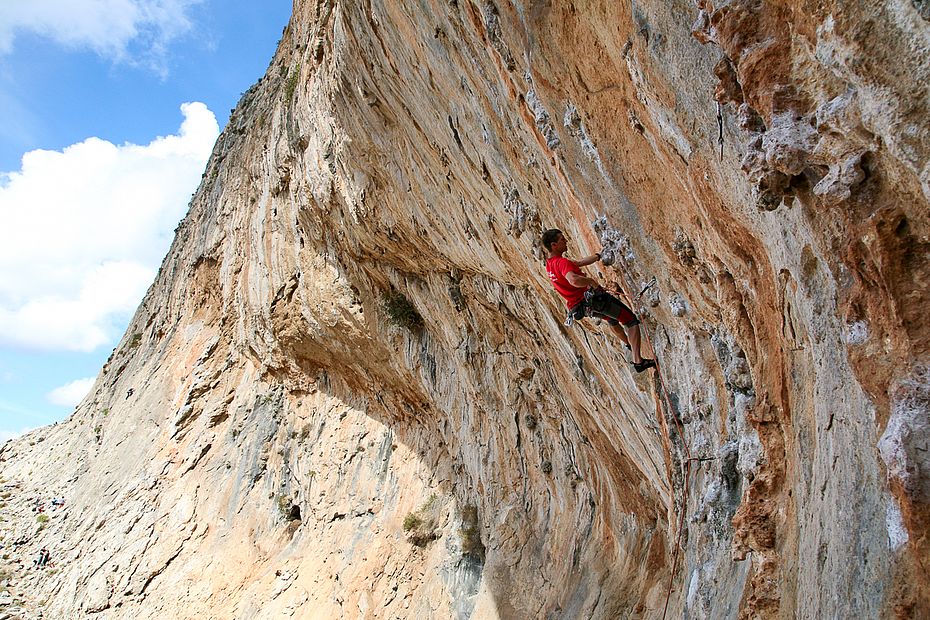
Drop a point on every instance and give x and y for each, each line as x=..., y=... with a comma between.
x=298, y=444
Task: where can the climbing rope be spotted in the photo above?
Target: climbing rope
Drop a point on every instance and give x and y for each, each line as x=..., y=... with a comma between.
x=687, y=475
x=684, y=442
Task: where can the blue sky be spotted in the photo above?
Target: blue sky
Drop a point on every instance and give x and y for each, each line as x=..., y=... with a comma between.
x=110, y=109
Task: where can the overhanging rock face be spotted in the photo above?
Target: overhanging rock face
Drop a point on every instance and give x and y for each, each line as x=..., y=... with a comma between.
x=298, y=443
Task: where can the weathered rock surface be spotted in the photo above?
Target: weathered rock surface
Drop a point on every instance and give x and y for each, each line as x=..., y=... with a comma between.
x=291, y=448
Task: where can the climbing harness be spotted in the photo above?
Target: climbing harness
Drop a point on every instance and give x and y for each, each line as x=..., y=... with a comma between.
x=575, y=313
x=594, y=301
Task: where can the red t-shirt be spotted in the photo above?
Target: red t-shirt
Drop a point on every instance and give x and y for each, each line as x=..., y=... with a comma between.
x=557, y=267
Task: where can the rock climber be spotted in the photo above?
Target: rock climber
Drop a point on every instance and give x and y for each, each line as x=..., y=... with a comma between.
x=584, y=296
x=44, y=557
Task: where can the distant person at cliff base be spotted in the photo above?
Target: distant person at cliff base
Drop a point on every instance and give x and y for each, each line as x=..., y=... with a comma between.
x=44, y=557
x=585, y=297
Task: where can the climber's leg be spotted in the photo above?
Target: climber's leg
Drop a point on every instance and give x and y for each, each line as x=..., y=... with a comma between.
x=616, y=312
x=632, y=334
x=621, y=333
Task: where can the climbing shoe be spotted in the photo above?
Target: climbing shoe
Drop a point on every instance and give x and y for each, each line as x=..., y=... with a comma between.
x=644, y=365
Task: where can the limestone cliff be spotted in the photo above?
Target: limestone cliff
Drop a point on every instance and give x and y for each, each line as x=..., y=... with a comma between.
x=353, y=394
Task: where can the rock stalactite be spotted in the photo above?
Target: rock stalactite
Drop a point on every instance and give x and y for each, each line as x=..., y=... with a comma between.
x=353, y=394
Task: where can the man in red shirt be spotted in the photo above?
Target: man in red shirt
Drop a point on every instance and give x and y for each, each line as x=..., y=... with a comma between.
x=585, y=297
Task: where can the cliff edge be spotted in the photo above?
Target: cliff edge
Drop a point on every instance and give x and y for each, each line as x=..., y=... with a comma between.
x=350, y=393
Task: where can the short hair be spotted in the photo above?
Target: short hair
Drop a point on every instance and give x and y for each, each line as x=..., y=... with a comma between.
x=549, y=237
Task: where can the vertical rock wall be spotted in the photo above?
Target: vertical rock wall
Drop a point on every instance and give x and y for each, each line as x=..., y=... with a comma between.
x=299, y=443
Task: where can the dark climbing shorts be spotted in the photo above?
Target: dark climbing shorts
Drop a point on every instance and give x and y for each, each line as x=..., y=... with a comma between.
x=603, y=305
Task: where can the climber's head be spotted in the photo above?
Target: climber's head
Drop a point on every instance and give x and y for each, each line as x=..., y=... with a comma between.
x=553, y=240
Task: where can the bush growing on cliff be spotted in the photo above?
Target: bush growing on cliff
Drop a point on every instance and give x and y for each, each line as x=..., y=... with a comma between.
x=470, y=534
x=412, y=521
x=401, y=312
x=422, y=526
x=292, y=81
x=284, y=505
x=288, y=509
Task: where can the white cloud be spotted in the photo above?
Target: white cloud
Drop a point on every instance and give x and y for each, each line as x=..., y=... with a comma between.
x=72, y=393
x=6, y=435
x=82, y=232
x=115, y=29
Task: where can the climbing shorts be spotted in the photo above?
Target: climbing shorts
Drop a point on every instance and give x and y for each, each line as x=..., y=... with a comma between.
x=603, y=305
